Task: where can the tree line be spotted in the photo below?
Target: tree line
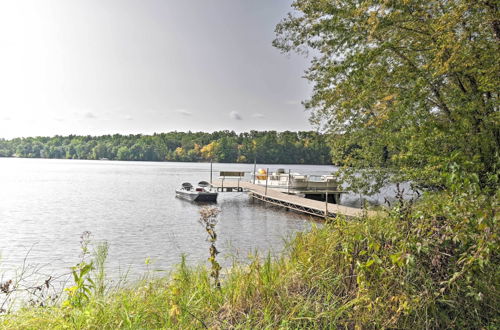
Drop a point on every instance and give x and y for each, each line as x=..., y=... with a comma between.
x=305, y=147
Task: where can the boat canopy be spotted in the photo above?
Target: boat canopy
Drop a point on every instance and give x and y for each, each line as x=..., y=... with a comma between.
x=203, y=184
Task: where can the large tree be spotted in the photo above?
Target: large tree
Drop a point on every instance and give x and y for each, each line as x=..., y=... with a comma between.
x=404, y=87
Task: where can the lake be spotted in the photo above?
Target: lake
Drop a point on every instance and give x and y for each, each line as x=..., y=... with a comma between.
x=45, y=206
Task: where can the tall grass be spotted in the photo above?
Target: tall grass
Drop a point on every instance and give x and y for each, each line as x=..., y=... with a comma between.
x=434, y=266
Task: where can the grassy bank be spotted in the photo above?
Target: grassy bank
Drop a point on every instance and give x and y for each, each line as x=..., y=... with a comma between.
x=431, y=265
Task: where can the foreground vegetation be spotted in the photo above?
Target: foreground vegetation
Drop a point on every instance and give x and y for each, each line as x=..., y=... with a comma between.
x=222, y=146
x=407, y=91
x=434, y=264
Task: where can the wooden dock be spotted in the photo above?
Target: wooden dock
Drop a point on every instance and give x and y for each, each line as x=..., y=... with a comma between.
x=292, y=202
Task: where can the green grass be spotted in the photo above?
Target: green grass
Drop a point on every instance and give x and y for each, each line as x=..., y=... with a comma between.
x=435, y=265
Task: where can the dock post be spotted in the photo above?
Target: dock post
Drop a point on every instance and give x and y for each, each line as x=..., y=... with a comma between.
x=211, y=164
x=288, y=181
x=254, y=168
x=326, y=200
x=326, y=205
x=267, y=177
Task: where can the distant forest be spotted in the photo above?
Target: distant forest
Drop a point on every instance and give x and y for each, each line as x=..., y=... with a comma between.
x=222, y=146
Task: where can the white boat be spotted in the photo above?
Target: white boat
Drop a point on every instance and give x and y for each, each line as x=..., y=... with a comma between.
x=296, y=181
x=317, y=187
x=199, y=194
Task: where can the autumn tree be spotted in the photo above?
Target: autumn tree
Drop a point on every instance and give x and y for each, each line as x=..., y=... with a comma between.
x=403, y=87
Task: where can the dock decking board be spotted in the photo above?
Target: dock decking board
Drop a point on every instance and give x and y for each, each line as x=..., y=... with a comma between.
x=300, y=204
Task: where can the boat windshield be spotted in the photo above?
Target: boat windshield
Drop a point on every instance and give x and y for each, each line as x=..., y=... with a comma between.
x=187, y=186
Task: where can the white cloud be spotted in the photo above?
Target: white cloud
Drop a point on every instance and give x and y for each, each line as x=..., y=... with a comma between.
x=258, y=115
x=89, y=115
x=235, y=115
x=128, y=117
x=293, y=102
x=184, y=112
x=6, y=118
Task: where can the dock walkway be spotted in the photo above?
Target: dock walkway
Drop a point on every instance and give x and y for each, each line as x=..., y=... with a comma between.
x=292, y=202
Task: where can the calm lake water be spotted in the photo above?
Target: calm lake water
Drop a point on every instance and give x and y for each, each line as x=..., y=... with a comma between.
x=45, y=205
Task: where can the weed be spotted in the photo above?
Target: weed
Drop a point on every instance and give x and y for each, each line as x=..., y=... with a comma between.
x=85, y=284
x=208, y=218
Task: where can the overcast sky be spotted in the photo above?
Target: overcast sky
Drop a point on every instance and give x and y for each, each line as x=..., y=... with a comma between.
x=144, y=66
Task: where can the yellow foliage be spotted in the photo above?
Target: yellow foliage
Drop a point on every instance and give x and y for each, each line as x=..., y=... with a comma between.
x=179, y=151
x=208, y=150
x=389, y=97
x=174, y=311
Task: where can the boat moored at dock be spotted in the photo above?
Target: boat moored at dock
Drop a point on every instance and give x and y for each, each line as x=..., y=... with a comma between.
x=202, y=193
x=296, y=183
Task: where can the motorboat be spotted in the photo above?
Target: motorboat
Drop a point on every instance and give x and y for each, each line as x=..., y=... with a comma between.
x=201, y=193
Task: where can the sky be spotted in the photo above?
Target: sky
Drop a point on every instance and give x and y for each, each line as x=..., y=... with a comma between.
x=143, y=66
